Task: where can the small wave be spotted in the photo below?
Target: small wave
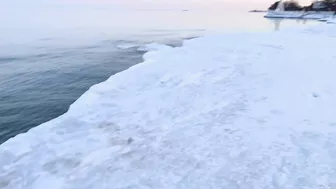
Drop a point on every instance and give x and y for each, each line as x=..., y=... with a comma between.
x=153, y=47
x=9, y=59
x=124, y=46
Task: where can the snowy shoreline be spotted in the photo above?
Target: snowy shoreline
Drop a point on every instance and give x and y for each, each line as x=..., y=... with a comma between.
x=234, y=111
x=300, y=14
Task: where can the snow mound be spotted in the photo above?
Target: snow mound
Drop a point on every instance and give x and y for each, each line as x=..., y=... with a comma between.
x=237, y=111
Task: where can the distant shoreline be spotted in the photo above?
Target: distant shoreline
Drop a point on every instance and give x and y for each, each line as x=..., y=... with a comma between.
x=258, y=10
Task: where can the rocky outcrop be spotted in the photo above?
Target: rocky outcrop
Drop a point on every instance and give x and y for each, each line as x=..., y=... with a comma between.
x=289, y=6
x=326, y=5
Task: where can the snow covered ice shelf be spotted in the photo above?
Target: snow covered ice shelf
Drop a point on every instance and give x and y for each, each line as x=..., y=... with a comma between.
x=234, y=111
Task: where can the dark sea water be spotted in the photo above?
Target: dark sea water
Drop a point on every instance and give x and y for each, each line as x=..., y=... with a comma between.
x=50, y=57
x=31, y=95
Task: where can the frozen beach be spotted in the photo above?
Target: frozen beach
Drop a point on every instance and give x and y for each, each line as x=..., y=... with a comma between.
x=237, y=111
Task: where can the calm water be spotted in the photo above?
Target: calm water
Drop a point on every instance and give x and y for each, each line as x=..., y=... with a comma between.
x=50, y=56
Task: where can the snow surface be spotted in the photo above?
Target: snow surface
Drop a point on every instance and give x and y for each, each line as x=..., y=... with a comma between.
x=331, y=21
x=234, y=111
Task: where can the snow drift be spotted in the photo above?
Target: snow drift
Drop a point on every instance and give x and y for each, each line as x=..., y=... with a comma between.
x=237, y=111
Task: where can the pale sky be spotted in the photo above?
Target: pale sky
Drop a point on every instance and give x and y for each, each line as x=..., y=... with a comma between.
x=190, y=1
x=257, y=4
x=266, y=3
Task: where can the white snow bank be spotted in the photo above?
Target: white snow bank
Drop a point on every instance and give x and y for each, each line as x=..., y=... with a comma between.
x=236, y=111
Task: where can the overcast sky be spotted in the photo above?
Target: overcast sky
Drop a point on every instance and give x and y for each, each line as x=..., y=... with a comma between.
x=158, y=3
x=188, y=2
x=208, y=2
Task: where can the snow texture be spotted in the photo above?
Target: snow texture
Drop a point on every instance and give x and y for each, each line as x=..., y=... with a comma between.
x=331, y=21
x=234, y=111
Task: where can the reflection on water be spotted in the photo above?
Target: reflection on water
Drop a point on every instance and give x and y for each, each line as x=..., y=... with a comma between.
x=85, y=23
x=279, y=22
x=304, y=21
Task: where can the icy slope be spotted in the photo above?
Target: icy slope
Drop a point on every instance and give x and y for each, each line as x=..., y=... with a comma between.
x=237, y=111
